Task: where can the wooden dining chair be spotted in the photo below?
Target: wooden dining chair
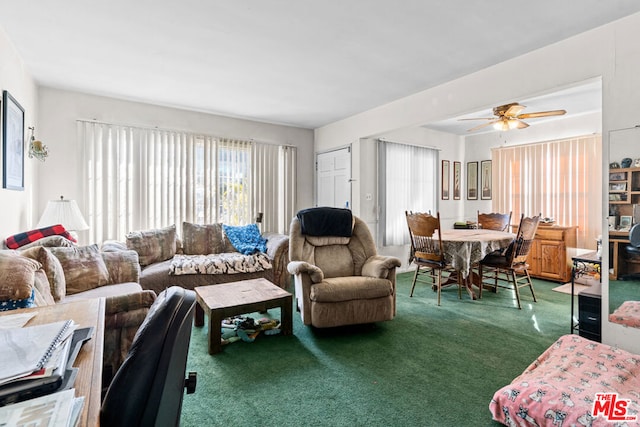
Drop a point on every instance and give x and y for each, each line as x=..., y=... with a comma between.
x=494, y=221
x=511, y=266
x=427, y=252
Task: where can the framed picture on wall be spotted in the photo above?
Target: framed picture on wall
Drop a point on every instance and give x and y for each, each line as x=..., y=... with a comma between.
x=472, y=180
x=445, y=180
x=456, y=180
x=12, y=143
x=485, y=180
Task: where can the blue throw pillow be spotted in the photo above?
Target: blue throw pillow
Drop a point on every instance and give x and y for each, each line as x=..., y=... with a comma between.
x=245, y=238
x=12, y=304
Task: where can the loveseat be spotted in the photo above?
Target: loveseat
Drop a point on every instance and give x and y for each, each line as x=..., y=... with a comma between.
x=204, y=255
x=53, y=270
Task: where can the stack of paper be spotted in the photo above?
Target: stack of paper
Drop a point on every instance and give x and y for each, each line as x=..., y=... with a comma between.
x=61, y=409
x=33, y=360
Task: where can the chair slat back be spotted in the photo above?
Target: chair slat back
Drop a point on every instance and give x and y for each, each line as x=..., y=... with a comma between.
x=494, y=221
x=424, y=245
x=524, y=240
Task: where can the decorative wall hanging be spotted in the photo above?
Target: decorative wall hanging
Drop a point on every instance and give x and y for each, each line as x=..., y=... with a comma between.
x=472, y=180
x=12, y=143
x=445, y=180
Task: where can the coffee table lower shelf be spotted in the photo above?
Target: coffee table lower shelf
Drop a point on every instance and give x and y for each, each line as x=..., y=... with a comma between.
x=246, y=296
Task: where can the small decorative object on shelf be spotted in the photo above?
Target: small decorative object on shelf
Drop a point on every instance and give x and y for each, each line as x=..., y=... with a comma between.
x=626, y=162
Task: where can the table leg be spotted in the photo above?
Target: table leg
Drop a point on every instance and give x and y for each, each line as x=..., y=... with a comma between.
x=198, y=319
x=215, y=334
x=286, y=316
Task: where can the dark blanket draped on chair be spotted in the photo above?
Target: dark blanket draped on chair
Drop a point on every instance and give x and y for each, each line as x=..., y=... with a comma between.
x=325, y=221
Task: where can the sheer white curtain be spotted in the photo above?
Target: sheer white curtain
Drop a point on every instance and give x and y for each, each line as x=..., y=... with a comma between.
x=140, y=178
x=274, y=187
x=560, y=179
x=408, y=182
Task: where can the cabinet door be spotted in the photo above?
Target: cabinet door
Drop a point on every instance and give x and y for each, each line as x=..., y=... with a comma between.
x=552, y=259
x=534, y=259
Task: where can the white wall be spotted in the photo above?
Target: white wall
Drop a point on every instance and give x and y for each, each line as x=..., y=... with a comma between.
x=61, y=174
x=16, y=212
x=610, y=52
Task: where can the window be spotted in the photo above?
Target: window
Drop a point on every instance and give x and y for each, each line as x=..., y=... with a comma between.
x=558, y=179
x=139, y=178
x=408, y=182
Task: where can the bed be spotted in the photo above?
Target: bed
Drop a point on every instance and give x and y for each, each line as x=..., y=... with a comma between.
x=628, y=314
x=559, y=388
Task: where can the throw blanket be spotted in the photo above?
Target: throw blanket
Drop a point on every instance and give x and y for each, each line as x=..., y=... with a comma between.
x=245, y=238
x=225, y=263
x=326, y=222
x=21, y=239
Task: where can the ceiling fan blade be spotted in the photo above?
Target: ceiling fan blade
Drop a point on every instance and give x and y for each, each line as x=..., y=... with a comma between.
x=541, y=114
x=483, y=125
x=478, y=118
x=514, y=110
x=521, y=124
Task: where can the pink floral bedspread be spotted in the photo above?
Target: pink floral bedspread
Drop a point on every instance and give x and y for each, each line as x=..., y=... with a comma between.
x=558, y=389
x=627, y=314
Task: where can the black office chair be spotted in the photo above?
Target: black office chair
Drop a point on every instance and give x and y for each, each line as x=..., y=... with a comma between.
x=148, y=388
x=632, y=254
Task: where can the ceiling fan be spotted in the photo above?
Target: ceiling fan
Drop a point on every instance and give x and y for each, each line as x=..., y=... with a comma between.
x=508, y=117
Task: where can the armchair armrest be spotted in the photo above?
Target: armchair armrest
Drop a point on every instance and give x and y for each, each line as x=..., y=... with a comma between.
x=379, y=266
x=300, y=267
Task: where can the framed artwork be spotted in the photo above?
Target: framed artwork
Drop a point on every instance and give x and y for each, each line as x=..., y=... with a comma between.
x=485, y=179
x=12, y=143
x=625, y=222
x=456, y=180
x=472, y=180
x=445, y=180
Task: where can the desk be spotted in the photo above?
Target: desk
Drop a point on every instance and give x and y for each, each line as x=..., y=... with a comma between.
x=465, y=248
x=617, y=240
x=583, y=264
x=89, y=361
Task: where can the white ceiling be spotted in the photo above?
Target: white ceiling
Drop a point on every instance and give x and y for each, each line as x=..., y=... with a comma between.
x=297, y=62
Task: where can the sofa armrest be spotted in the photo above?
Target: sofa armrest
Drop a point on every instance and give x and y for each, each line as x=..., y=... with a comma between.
x=123, y=316
x=300, y=267
x=278, y=251
x=379, y=266
x=123, y=266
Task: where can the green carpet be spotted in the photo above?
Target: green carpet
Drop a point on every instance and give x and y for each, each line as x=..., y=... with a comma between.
x=430, y=366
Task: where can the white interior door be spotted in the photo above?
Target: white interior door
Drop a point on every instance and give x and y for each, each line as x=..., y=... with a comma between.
x=333, y=178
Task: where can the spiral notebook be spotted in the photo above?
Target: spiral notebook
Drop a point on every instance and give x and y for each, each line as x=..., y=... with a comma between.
x=26, y=350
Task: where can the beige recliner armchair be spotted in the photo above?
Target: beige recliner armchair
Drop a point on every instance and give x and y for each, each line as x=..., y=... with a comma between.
x=339, y=278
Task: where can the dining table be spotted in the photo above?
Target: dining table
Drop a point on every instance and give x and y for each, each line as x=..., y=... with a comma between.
x=464, y=248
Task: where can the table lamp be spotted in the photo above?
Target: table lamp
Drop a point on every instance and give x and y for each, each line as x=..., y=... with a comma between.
x=65, y=212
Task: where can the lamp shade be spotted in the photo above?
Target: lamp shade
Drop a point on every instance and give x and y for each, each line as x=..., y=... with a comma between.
x=65, y=212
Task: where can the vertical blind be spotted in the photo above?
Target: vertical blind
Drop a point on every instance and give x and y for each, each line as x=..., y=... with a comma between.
x=141, y=178
x=408, y=182
x=560, y=179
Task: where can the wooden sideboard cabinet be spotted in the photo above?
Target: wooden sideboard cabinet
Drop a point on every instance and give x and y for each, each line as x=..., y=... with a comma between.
x=548, y=258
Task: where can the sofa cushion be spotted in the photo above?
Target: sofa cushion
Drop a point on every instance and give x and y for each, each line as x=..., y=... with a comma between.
x=153, y=245
x=83, y=268
x=42, y=289
x=16, y=275
x=117, y=289
x=203, y=239
x=52, y=267
x=246, y=239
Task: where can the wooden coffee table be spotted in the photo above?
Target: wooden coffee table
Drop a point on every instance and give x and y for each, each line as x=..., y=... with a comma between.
x=246, y=296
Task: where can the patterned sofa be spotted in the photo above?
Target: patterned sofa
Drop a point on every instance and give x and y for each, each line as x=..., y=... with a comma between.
x=203, y=255
x=53, y=270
